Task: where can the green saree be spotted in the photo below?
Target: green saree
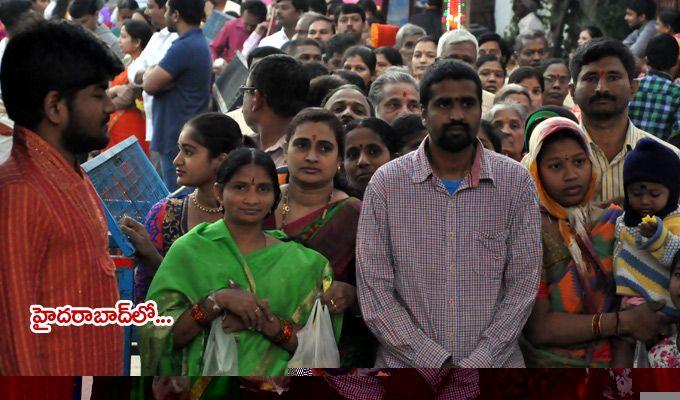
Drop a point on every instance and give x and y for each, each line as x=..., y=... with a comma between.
x=287, y=274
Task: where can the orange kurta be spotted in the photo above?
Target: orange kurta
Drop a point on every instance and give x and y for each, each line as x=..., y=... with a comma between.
x=53, y=252
x=127, y=122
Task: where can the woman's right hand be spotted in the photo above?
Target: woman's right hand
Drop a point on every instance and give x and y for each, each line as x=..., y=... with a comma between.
x=254, y=311
x=645, y=322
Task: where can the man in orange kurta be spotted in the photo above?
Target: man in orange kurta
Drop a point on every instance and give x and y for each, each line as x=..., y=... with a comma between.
x=53, y=235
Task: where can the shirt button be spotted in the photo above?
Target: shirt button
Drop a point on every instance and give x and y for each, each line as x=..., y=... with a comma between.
x=450, y=302
x=452, y=235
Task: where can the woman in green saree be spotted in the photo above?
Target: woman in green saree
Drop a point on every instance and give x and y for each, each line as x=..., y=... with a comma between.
x=262, y=286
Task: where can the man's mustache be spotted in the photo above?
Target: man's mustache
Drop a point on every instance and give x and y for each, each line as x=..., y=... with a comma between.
x=601, y=96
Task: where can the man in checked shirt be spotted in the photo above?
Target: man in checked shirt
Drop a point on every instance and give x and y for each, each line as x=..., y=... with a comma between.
x=448, y=247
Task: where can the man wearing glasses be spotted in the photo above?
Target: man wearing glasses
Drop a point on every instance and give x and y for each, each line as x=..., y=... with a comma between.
x=556, y=77
x=275, y=91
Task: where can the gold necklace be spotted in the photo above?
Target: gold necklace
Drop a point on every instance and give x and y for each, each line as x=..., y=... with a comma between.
x=285, y=207
x=208, y=210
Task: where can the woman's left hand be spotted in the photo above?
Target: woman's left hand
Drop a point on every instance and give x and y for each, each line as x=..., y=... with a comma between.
x=339, y=297
x=232, y=323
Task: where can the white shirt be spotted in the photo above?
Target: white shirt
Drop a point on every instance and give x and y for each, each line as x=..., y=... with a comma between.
x=276, y=39
x=232, y=6
x=530, y=23
x=3, y=46
x=152, y=54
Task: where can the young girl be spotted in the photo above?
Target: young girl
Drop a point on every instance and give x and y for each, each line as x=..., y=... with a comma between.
x=648, y=233
x=666, y=353
x=424, y=55
x=203, y=143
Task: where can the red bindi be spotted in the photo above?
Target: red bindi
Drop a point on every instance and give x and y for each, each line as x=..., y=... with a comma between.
x=405, y=94
x=314, y=137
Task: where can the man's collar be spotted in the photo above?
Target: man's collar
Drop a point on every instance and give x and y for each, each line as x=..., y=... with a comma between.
x=628, y=143
x=422, y=169
x=660, y=74
x=278, y=145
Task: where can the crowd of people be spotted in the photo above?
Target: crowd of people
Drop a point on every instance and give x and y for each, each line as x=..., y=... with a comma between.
x=453, y=200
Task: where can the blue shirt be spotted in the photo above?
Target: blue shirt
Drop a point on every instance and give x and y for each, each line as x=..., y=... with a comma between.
x=451, y=185
x=188, y=62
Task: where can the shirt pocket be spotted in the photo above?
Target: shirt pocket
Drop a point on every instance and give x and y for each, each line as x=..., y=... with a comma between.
x=490, y=250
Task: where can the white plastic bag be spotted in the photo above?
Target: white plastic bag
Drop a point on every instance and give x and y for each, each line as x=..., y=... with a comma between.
x=316, y=342
x=641, y=359
x=220, y=357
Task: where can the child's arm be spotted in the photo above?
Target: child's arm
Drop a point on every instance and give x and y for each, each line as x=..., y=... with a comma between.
x=659, y=240
x=623, y=351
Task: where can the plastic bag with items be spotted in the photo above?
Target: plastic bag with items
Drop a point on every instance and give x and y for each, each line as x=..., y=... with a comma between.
x=220, y=357
x=316, y=341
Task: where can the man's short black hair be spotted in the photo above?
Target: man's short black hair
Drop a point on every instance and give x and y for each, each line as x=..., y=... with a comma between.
x=597, y=49
x=291, y=46
x=283, y=82
x=11, y=12
x=662, y=52
x=81, y=8
x=315, y=69
x=545, y=64
x=127, y=4
x=255, y=8
x=318, y=6
x=351, y=77
x=523, y=73
x=320, y=86
x=448, y=69
x=368, y=5
x=51, y=56
x=261, y=52
x=350, y=9
x=338, y=43
x=646, y=7
x=494, y=37
x=191, y=11
x=299, y=5
x=391, y=54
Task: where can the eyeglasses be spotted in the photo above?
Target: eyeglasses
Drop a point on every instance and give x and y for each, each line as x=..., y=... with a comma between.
x=243, y=88
x=563, y=80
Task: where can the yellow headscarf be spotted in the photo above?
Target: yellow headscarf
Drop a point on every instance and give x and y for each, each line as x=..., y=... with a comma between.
x=572, y=220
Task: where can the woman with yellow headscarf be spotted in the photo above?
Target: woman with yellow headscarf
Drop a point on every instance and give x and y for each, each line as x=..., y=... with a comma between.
x=575, y=320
